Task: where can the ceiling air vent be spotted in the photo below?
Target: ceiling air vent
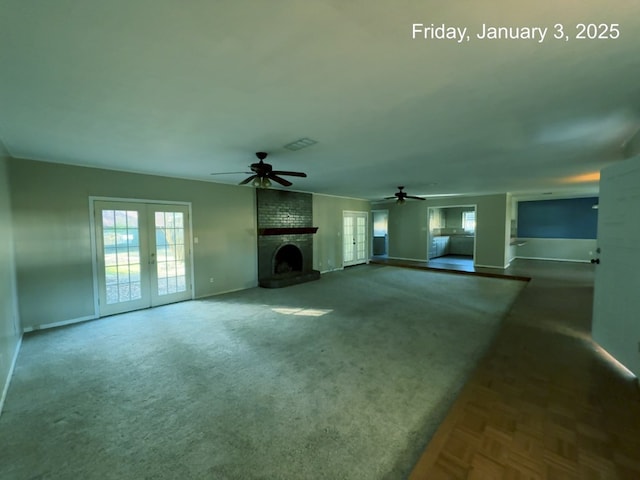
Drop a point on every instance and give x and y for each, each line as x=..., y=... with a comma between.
x=300, y=144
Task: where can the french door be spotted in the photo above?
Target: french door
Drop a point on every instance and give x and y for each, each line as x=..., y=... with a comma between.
x=143, y=255
x=354, y=237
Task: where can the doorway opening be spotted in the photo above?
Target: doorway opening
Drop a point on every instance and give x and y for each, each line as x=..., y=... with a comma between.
x=452, y=236
x=380, y=233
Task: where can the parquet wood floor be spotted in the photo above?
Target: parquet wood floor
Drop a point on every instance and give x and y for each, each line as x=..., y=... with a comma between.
x=545, y=402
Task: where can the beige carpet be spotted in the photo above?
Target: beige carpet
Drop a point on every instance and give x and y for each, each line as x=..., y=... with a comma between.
x=343, y=378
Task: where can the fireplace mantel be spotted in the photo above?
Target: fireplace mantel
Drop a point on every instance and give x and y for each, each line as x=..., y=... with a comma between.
x=286, y=230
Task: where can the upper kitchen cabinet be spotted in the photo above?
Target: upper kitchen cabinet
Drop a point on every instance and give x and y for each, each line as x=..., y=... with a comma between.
x=437, y=218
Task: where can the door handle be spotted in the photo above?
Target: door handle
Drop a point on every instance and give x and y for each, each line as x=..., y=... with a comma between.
x=595, y=260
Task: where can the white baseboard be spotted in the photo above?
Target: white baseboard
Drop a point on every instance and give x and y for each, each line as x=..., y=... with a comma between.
x=209, y=295
x=337, y=269
x=555, y=259
x=60, y=324
x=499, y=267
x=5, y=389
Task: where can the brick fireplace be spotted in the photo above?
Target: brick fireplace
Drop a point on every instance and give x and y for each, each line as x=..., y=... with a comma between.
x=285, y=238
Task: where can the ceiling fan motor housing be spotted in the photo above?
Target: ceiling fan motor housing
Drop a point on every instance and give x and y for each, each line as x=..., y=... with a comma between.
x=263, y=173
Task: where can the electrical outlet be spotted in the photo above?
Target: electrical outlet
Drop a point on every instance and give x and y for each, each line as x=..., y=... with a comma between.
x=211, y=280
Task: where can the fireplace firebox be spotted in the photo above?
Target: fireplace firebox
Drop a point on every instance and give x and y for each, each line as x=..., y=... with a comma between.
x=287, y=259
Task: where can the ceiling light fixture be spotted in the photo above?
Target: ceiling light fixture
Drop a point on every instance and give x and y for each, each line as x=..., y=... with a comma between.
x=261, y=182
x=300, y=144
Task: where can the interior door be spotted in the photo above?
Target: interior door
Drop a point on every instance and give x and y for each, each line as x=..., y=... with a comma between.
x=354, y=237
x=143, y=256
x=617, y=283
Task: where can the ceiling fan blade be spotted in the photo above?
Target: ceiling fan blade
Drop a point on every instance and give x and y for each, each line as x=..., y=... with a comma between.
x=230, y=173
x=415, y=198
x=390, y=198
x=291, y=174
x=247, y=180
x=280, y=180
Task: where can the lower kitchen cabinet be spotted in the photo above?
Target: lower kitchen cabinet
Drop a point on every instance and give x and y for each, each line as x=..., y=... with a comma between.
x=439, y=246
x=461, y=245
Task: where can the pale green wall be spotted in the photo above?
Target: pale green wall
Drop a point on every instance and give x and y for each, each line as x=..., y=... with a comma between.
x=52, y=230
x=408, y=227
x=10, y=332
x=327, y=216
x=51, y=226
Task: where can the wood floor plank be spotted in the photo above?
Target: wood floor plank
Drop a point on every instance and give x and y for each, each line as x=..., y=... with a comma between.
x=544, y=403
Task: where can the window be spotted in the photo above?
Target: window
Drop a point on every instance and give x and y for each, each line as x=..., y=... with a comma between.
x=469, y=221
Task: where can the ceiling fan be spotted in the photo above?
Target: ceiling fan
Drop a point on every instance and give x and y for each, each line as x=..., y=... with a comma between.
x=401, y=196
x=262, y=173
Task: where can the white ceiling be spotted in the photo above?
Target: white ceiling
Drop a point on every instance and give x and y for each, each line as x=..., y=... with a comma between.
x=185, y=88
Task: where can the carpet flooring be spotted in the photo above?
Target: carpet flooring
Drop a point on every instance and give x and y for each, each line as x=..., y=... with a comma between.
x=343, y=378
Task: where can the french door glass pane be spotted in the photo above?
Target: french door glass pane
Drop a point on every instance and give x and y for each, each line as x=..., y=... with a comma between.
x=171, y=267
x=361, y=239
x=121, y=255
x=348, y=239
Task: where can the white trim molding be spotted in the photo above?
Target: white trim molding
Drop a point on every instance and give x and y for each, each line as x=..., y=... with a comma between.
x=573, y=260
x=62, y=323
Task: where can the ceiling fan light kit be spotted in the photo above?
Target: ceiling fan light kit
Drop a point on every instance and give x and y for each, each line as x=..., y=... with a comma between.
x=261, y=182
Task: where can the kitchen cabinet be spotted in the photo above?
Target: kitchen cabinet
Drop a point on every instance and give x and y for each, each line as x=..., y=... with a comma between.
x=461, y=245
x=436, y=218
x=439, y=246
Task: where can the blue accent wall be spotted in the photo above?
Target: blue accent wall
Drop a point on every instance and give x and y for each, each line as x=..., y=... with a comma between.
x=563, y=218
